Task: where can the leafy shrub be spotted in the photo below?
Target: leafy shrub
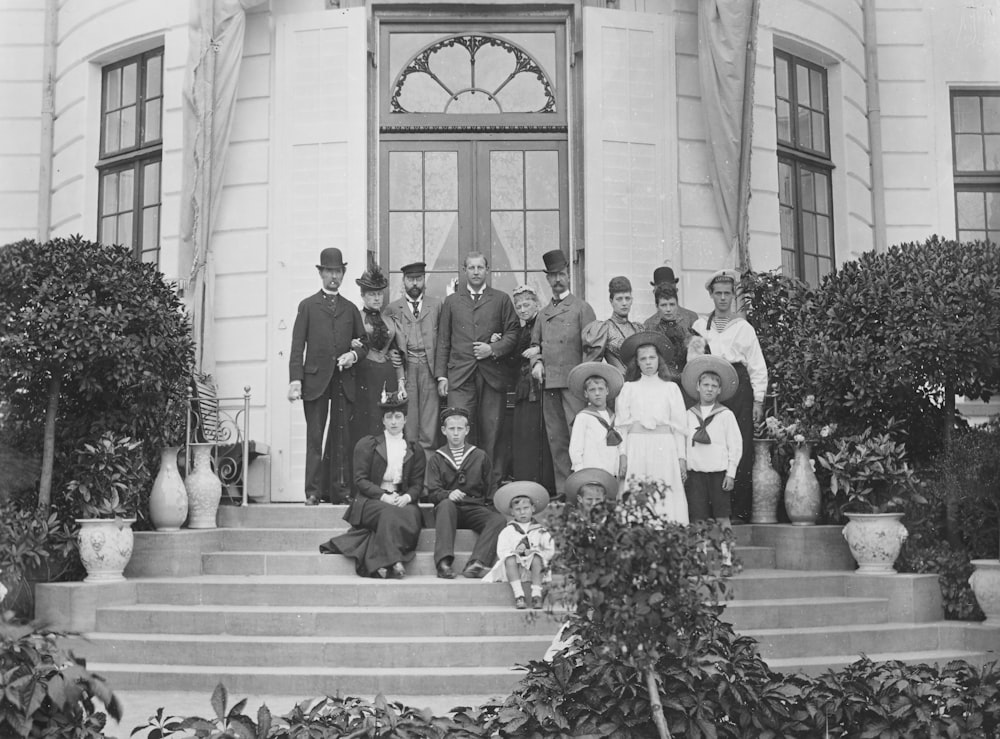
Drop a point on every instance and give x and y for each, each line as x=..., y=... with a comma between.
x=47, y=692
x=31, y=543
x=869, y=473
x=108, y=474
x=953, y=570
x=970, y=470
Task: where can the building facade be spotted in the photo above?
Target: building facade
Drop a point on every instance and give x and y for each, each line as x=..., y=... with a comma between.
x=231, y=141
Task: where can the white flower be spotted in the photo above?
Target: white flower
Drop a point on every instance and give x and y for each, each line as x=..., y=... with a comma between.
x=825, y=431
x=3, y=592
x=799, y=438
x=809, y=402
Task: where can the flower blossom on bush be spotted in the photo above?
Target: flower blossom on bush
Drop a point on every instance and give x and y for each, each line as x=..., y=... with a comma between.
x=799, y=423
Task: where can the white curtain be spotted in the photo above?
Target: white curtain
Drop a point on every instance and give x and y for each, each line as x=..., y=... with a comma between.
x=726, y=43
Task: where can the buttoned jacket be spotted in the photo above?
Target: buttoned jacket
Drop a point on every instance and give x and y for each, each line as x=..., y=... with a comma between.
x=323, y=331
x=464, y=321
x=558, y=333
x=430, y=315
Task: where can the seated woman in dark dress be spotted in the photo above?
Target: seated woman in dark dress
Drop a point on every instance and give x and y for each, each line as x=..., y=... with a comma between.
x=384, y=516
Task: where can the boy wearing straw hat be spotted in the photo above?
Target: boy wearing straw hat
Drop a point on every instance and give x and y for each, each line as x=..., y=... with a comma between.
x=524, y=547
x=594, y=442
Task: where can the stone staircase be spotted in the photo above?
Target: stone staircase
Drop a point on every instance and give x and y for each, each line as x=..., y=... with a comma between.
x=253, y=604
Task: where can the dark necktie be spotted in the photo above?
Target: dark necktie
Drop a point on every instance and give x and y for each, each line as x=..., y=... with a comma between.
x=556, y=301
x=416, y=308
x=476, y=297
x=701, y=433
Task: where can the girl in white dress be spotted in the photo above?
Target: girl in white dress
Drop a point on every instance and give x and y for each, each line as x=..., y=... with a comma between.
x=652, y=419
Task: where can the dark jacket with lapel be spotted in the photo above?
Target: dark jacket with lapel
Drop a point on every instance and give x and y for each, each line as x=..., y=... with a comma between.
x=430, y=315
x=463, y=322
x=323, y=331
x=558, y=331
x=370, y=462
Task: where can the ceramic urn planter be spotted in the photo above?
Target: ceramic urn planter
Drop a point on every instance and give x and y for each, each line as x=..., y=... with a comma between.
x=875, y=540
x=766, y=484
x=802, y=494
x=985, y=583
x=105, y=547
x=168, y=500
x=204, y=490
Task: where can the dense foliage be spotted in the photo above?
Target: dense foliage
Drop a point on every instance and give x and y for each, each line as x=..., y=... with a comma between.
x=32, y=544
x=109, y=474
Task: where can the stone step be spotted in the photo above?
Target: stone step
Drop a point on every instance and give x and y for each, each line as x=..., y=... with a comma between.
x=305, y=682
x=364, y=621
x=797, y=612
x=819, y=641
x=225, y=650
x=308, y=563
x=308, y=540
x=756, y=584
x=819, y=665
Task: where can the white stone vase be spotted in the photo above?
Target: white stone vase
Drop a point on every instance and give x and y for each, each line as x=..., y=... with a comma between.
x=802, y=497
x=985, y=583
x=204, y=490
x=168, y=500
x=875, y=540
x=766, y=484
x=105, y=547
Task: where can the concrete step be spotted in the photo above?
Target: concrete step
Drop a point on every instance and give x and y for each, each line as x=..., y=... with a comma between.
x=308, y=563
x=363, y=621
x=798, y=612
x=308, y=540
x=818, y=665
x=754, y=558
x=817, y=641
x=305, y=682
x=762, y=583
x=225, y=650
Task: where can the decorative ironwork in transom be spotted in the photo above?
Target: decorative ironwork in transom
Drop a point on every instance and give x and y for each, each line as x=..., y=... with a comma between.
x=475, y=74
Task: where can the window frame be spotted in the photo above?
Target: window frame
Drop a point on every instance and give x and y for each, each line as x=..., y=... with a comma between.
x=971, y=181
x=799, y=157
x=135, y=157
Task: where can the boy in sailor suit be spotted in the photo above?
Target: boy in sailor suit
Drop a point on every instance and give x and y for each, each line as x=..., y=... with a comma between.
x=524, y=547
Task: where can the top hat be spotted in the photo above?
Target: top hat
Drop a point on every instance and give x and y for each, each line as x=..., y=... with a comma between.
x=631, y=345
x=723, y=275
x=663, y=274
x=555, y=260
x=417, y=268
x=590, y=476
x=578, y=376
x=391, y=401
x=697, y=366
x=503, y=497
x=331, y=258
x=372, y=280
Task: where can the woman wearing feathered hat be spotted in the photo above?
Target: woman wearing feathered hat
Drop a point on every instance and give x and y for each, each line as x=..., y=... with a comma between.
x=375, y=371
x=384, y=516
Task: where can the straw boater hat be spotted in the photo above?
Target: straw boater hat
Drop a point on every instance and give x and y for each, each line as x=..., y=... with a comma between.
x=579, y=375
x=503, y=497
x=697, y=366
x=631, y=345
x=590, y=475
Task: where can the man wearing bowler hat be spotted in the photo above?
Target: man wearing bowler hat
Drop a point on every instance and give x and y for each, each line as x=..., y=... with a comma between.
x=321, y=373
x=663, y=277
x=416, y=315
x=556, y=348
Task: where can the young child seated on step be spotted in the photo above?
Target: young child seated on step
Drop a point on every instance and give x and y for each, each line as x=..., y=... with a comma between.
x=716, y=442
x=594, y=442
x=525, y=547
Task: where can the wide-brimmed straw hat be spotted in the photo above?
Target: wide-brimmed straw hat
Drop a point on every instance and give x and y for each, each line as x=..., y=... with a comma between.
x=578, y=376
x=587, y=476
x=697, y=366
x=631, y=345
x=518, y=489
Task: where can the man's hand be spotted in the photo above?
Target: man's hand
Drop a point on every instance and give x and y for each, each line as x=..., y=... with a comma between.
x=346, y=360
x=395, y=358
x=494, y=337
x=457, y=496
x=294, y=391
x=758, y=411
x=356, y=344
x=402, y=391
x=443, y=387
x=481, y=350
x=538, y=372
x=729, y=483
x=531, y=352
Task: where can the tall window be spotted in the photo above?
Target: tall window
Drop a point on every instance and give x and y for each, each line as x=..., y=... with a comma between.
x=804, y=168
x=131, y=144
x=975, y=125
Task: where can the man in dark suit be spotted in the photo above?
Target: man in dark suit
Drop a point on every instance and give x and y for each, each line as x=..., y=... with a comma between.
x=417, y=315
x=321, y=374
x=556, y=348
x=478, y=327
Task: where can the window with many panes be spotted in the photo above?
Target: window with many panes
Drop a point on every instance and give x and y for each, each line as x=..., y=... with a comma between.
x=975, y=126
x=805, y=168
x=131, y=143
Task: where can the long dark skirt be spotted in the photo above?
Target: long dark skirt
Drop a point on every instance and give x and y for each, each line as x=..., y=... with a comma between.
x=387, y=534
x=741, y=404
x=532, y=458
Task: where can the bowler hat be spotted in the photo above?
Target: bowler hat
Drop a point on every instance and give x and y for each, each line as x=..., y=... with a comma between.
x=331, y=258
x=503, y=497
x=578, y=376
x=417, y=268
x=663, y=274
x=630, y=346
x=590, y=476
x=697, y=366
x=555, y=260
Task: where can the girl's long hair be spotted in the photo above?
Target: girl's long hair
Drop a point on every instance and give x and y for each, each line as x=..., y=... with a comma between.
x=663, y=370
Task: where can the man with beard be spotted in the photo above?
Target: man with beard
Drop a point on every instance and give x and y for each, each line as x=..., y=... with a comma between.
x=416, y=315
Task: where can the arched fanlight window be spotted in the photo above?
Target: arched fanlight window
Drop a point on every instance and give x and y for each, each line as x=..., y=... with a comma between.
x=472, y=74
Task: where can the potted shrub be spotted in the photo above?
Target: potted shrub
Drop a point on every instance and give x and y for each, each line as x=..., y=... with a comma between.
x=871, y=480
x=108, y=475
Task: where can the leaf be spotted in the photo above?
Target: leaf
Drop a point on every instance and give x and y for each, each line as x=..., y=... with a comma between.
x=219, y=700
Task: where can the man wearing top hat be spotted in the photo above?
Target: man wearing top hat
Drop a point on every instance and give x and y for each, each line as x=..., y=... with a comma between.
x=556, y=348
x=663, y=281
x=416, y=315
x=321, y=374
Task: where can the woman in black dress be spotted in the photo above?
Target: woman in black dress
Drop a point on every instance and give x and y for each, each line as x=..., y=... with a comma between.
x=384, y=515
x=532, y=459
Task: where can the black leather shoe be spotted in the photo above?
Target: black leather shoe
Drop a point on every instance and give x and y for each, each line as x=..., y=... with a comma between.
x=475, y=569
x=445, y=572
x=312, y=500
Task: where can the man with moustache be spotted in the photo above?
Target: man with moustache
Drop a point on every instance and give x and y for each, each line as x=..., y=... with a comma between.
x=320, y=369
x=417, y=315
x=556, y=348
x=468, y=367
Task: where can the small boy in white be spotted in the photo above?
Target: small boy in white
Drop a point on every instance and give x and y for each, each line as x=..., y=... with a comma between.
x=525, y=547
x=715, y=442
x=594, y=442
